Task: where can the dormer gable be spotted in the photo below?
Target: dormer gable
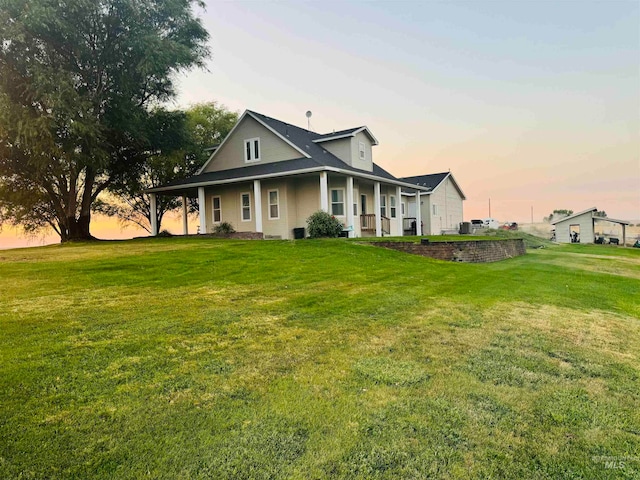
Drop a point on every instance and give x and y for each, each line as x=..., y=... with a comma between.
x=353, y=146
x=251, y=141
x=257, y=139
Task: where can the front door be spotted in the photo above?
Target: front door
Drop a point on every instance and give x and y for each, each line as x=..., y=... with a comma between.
x=412, y=210
x=363, y=204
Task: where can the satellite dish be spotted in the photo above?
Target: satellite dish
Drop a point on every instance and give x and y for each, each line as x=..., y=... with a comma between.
x=308, y=114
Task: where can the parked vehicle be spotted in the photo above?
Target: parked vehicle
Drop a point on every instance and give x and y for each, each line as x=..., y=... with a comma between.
x=491, y=223
x=477, y=224
x=509, y=226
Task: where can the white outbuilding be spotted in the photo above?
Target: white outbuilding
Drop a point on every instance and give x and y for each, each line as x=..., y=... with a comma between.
x=580, y=227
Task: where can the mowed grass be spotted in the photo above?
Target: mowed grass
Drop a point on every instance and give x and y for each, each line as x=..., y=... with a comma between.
x=199, y=358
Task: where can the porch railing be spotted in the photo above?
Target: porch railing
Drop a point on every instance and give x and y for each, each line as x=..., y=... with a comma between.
x=368, y=223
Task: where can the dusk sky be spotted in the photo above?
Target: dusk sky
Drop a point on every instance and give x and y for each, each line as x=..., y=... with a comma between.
x=529, y=103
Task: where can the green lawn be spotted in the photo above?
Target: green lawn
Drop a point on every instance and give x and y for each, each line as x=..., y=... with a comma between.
x=199, y=358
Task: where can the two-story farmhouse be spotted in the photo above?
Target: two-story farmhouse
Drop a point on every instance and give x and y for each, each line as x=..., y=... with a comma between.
x=268, y=176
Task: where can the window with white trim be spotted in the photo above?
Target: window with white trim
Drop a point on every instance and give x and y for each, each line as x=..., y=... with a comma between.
x=383, y=205
x=363, y=204
x=362, y=151
x=217, y=209
x=252, y=150
x=392, y=205
x=402, y=209
x=245, y=206
x=274, y=205
x=435, y=209
x=337, y=202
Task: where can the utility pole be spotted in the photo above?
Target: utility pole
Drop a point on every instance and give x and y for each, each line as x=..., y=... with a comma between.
x=489, y=207
x=532, y=214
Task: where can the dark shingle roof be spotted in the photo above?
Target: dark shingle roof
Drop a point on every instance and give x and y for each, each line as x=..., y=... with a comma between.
x=302, y=139
x=246, y=172
x=340, y=133
x=429, y=181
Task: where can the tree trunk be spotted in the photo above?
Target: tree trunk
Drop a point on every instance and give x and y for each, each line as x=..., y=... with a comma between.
x=77, y=229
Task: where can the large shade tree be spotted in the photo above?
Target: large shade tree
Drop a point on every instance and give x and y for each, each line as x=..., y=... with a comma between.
x=77, y=80
x=183, y=141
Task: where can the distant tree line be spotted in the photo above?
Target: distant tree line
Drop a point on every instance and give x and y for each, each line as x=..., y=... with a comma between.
x=558, y=214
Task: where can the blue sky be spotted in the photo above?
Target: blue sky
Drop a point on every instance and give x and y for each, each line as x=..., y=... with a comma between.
x=529, y=103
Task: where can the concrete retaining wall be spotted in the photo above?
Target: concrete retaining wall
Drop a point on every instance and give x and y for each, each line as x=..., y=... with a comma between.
x=470, y=251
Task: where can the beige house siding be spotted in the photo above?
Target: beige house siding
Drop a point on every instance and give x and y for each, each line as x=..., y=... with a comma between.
x=367, y=163
x=348, y=150
x=298, y=199
x=448, y=213
x=307, y=196
x=292, y=206
x=341, y=148
x=231, y=154
x=230, y=196
x=585, y=221
x=448, y=209
x=428, y=226
x=271, y=226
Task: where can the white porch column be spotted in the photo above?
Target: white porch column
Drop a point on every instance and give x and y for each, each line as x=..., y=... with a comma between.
x=185, y=220
x=257, y=198
x=324, y=192
x=376, y=196
x=153, y=211
x=202, y=211
x=400, y=222
x=418, y=214
x=351, y=226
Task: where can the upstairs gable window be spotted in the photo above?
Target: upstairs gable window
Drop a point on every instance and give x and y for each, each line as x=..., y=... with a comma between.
x=252, y=150
x=362, y=151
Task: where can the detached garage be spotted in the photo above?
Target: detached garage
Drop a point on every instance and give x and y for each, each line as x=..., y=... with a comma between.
x=580, y=227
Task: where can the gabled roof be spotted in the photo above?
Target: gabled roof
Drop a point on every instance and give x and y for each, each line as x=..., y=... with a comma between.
x=260, y=119
x=352, y=132
x=593, y=209
x=432, y=181
x=313, y=158
x=590, y=210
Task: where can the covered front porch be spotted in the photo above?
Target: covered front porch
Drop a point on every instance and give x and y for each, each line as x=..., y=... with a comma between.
x=276, y=205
